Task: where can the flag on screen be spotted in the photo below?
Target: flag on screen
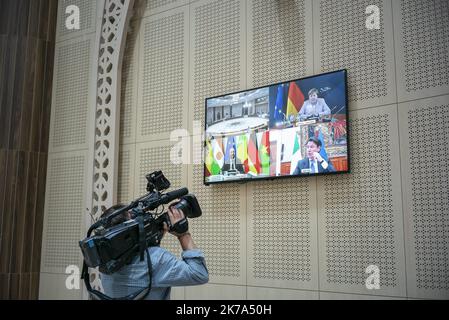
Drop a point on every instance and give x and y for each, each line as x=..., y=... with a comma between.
x=264, y=153
x=242, y=151
x=253, y=155
x=323, y=152
x=218, y=152
x=211, y=165
x=209, y=158
x=295, y=99
x=278, y=114
x=296, y=155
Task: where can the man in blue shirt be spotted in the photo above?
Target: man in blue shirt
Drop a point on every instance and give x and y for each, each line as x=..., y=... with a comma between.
x=167, y=269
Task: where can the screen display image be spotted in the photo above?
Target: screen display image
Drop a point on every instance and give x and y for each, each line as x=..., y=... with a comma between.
x=290, y=129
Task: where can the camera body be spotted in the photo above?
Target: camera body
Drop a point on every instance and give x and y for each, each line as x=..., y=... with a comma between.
x=113, y=246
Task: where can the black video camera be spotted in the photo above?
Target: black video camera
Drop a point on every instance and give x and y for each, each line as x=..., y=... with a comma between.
x=113, y=246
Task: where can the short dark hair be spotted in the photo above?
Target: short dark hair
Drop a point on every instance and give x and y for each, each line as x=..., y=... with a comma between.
x=316, y=141
x=120, y=218
x=314, y=90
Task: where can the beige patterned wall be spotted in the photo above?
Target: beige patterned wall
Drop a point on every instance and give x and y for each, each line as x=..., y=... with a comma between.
x=306, y=238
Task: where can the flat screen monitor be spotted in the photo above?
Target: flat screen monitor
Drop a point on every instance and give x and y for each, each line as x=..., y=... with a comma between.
x=295, y=128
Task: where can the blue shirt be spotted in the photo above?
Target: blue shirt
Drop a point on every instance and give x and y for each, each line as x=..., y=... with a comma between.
x=168, y=271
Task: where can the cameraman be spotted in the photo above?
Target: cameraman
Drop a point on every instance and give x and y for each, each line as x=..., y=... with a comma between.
x=167, y=269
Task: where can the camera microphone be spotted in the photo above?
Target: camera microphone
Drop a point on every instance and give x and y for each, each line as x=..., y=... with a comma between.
x=172, y=195
x=166, y=198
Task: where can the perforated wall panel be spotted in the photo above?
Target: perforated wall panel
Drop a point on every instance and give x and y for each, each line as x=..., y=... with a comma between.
x=422, y=46
x=425, y=174
x=71, y=95
x=342, y=41
x=87, y=16
x=360, y=214
x=280, y=45
x=163, y=91
x=221, y=231
x=282, y=234
x=64, y=211
x=153, y=156
x=125, y=186
x=217, y=52
x=128, y=98
x=157, y=6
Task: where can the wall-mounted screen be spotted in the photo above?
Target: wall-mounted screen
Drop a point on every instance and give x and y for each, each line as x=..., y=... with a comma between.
x=290, y=129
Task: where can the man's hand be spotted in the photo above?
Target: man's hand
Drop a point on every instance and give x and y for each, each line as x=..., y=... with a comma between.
x=175, y=215
x=320, y=159
x=185, y=239
x=317, y=156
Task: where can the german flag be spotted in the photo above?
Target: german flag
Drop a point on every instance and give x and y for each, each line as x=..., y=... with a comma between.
x=295, y=99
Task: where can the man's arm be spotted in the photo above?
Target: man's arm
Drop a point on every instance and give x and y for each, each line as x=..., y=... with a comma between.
x=326, y=165
x=170, y=271
x=186, y=241
x=191, y=270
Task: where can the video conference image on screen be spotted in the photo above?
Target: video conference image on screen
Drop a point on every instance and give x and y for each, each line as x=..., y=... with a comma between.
x=294, y=128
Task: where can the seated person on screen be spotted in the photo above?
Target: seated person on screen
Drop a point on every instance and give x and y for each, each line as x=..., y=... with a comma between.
x=314, y=163
x=233, y=166
x=314, y=107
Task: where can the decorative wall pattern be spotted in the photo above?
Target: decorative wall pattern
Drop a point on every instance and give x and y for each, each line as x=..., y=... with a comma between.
x=426, y=195
x=360, y=214
x=425, y=24
x=163, y=92
x=275, y=58
x=116, y=16
x=71, y=92
x=342, y=41
x=216, y=54
x=422, y=43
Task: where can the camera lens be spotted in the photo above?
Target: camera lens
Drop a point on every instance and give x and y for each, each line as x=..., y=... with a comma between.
x=189, y=205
